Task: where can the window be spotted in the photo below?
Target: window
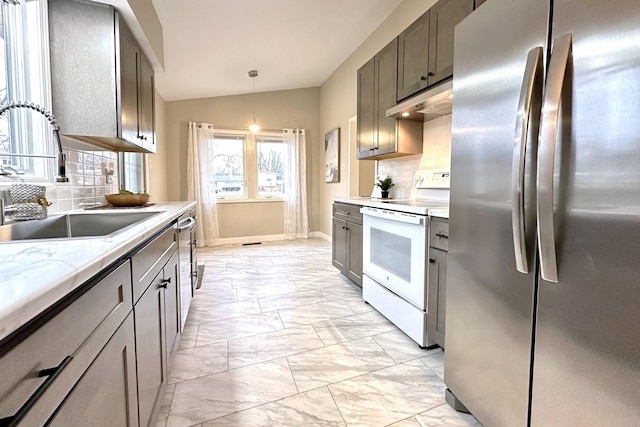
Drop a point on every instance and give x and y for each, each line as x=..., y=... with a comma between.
x=270, y=152
x=227, y=160
x=247, y=166
x=26, y=137
x=133, y=172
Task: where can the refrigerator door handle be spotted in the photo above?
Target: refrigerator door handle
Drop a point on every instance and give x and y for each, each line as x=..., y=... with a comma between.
x=546, y=156
x=528, y=115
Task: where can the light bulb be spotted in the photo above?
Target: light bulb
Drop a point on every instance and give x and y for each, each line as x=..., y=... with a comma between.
x=254, y=127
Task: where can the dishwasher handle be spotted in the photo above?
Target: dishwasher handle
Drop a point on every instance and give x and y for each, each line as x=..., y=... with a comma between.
x=186, y=223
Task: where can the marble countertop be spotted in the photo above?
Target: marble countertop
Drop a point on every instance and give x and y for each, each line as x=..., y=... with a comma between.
x=38, y=273
x=440, y=213
x=419, y=207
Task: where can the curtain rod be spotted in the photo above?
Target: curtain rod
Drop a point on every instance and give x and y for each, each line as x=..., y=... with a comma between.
x=244, y=129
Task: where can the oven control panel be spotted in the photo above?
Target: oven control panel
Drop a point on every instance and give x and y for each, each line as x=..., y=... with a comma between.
x=431, y=178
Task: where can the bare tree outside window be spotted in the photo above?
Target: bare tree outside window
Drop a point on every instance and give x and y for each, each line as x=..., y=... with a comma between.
x=227, y=164
x=271, y=164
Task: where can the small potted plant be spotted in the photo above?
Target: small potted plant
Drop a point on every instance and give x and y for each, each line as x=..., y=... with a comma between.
x=385, y=185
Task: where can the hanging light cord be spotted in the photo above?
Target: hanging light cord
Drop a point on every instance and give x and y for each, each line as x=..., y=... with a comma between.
x=253, y=97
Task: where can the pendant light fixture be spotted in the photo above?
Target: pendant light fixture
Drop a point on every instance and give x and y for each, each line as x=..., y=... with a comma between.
x=254, y=126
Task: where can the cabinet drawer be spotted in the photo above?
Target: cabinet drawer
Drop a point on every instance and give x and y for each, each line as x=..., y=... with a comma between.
x=148, y=262
x=439, y=234
x=347, y=212
x=79, y=330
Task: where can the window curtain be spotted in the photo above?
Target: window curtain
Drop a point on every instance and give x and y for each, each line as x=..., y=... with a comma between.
x=296, y=218
x=199, y=185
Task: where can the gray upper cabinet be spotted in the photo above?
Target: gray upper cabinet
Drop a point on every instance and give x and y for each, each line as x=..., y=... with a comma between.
x=443, y=17
x=146, y=105
x=479, y=2
x=379, y=136
x=102, y=85
x=129, y=60
x=425, y=48
x=366, y=123
x=413, y=58
x=386, y=62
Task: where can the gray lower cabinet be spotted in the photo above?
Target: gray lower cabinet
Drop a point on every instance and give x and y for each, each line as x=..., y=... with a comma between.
x=42, y=364
x=105, y=396
x=347, y=241
x=437, y=280
x=150, y=348
x=157, y=320
x=171, y=274
x=101, y=356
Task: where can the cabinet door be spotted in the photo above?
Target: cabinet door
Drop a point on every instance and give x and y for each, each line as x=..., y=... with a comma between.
x=437, y=295
x=386, y=62
x=146, y=105
x=339, y=244
x=172, y=306
x=445, y=15
x=366, y=110
x=150, y=348
x=129, y=58
x=106, y=394
x=413, y=58
x=354, y=267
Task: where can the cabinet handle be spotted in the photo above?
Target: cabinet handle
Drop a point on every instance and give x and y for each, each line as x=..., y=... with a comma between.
x=344, y=228
x=423, y=78
x=432, y=261
x=430, y=74
x=52, y=374
x=165, y=283
x=343, y=212
x=442, y=235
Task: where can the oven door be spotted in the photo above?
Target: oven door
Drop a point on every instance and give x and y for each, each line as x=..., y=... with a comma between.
x=394, y=252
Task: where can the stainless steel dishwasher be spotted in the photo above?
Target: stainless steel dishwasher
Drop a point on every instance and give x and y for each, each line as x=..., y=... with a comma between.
x=188, y=262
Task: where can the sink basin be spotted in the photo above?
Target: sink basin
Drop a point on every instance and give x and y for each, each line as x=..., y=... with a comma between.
x=72, y=225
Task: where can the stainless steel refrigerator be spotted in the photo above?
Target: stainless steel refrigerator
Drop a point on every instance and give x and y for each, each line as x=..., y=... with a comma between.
x=543, y=285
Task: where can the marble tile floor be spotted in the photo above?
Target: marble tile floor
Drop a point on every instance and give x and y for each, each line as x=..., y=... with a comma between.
x=277, y=337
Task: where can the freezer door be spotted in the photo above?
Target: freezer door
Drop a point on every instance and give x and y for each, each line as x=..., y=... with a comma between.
x=587, y=353
x=489, y=305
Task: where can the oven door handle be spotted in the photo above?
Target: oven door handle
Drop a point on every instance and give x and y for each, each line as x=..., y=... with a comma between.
x=393, y=216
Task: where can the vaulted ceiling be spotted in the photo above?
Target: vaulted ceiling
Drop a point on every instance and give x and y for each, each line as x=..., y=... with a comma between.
x=210, y=45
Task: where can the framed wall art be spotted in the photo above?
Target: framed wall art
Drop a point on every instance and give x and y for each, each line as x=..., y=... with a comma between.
x=332, y=156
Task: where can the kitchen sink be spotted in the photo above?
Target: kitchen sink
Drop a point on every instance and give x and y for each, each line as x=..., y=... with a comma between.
x=72, y=225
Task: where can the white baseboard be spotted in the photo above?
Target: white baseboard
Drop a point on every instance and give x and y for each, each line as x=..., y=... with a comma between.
x=321, y=235
x=265, y=238
x=248, y=239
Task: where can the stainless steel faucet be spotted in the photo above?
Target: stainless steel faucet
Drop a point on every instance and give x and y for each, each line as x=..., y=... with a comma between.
x=62, y=158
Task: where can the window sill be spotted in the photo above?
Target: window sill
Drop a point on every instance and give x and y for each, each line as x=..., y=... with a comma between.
x=232, y=201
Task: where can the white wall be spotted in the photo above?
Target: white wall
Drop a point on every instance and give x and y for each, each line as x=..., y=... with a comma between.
x=338, y=102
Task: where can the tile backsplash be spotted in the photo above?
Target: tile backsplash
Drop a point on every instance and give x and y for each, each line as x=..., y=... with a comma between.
x=401, y=170
x=92, y=175
x=436, y=154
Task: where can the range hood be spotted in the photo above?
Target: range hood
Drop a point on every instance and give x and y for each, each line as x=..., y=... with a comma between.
x=428, y=105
